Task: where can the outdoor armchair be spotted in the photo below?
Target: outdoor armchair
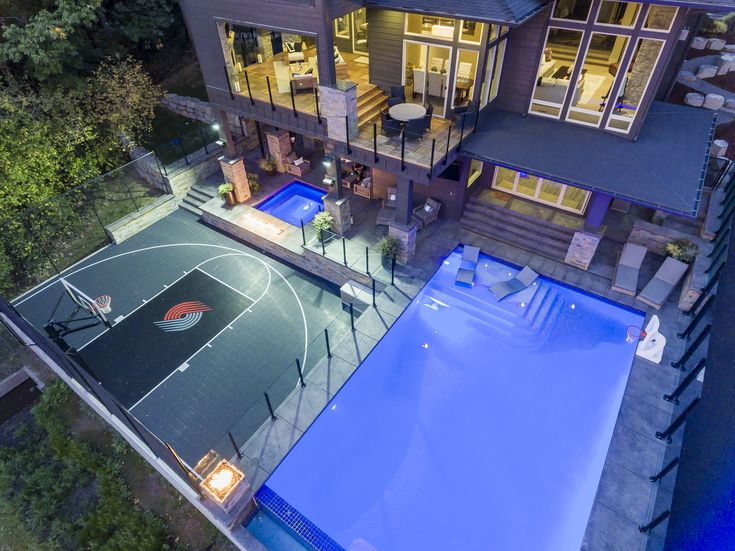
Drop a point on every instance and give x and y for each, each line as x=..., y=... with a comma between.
x=427, y=213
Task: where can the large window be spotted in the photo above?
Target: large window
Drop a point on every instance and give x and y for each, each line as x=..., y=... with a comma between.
x=630, y=93
x=425, y=25
x=464, y=76
x=599, y=69
x=599, y=72
x=539, y=189
x=493, y=69
x=553, y=80
x=471, y=32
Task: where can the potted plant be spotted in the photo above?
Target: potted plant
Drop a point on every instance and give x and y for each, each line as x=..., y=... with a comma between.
x=254, y=183
x=227, y=192
x=268, y=165
x=322, y=221
x=389, y=247
x=682, y=250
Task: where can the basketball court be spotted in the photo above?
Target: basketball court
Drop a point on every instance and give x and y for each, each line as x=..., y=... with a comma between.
x=192, y=328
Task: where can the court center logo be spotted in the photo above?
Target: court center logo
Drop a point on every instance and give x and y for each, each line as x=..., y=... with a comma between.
x=183, y=316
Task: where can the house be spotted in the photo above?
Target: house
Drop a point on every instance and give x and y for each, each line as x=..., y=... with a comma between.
x=556, y=104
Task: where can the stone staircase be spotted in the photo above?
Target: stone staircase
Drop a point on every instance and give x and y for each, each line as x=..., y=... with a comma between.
x=370, y=101
x=195, y=198
x=527, y=232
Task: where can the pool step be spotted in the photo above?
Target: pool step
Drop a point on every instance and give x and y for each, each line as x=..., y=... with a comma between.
x=547, y=313
x=536, y=301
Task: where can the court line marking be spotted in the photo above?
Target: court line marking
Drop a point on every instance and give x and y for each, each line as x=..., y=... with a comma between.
x=208, y=343
x=251, y=299
x=234, y=252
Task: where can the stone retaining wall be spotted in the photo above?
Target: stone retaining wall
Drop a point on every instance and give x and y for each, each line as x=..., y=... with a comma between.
x=139, y=220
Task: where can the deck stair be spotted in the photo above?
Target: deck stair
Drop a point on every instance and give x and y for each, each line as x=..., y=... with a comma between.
x=195, y=198
x=370, y=101
x=521, y=230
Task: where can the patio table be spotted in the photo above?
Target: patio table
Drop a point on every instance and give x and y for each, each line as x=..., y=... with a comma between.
x=407, y=111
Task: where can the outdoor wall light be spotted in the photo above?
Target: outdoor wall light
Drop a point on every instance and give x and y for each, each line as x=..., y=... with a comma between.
x=215, y=126
x=222, y=480
x=328, y=161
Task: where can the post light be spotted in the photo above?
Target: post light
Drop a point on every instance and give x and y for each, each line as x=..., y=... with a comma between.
x=222, y=481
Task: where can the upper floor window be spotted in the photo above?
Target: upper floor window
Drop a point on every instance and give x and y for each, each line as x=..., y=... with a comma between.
x=660, y=18
x=573, y=10
x=619, y=14
x=342, y=27
x=471, y=32
x=429, y=25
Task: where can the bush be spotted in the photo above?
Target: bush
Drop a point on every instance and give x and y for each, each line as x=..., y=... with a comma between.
x=254, y=183
x=389, y=247
x=322, y=221
x=714, y=26
x=683, y=250
x=224, y=189
x=268, y=164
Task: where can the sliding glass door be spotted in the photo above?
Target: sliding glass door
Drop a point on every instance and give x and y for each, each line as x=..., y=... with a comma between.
x=537, y=189
x=426, y=72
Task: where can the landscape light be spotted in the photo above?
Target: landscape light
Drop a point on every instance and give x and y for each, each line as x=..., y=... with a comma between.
x=222, y=480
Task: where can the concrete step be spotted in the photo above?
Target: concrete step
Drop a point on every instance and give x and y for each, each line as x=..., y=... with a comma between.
x=530, y=239
x=480, y=206
x=192, y=201
x=190, y=208
x=206, y=192
x=197, y=197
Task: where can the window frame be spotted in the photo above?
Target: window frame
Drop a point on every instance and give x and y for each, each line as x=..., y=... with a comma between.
x=660, y=31
x=539, y=183
x=596, y=23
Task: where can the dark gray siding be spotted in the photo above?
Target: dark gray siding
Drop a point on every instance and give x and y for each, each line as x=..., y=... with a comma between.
x=521, y=64
x=385, y=36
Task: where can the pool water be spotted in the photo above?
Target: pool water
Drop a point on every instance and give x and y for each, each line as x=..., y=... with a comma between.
x=473, y=424
x=294, y=203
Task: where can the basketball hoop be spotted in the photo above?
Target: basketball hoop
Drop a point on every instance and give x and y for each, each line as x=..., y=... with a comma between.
x=634, y=334
x=104, y=303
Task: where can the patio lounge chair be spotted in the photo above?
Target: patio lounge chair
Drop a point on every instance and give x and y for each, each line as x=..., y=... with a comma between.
x=625, y=278
x=663, y=283
x=427, y=213
x=517, y=283
x=466, y=271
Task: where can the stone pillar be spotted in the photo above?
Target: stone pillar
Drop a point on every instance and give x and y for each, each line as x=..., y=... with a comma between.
x=334, y=171
x=582, y=249
x=340, y=211
x=404, y=201
x=226, y=132
x=596, y=210
x=337, y=103
x=406, y=235
x=325, y=53
x=236, y=174
x=279, y=146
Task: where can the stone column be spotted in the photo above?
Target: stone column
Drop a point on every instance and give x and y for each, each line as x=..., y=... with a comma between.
x=340, y=211
x=279, y=146
x=236, y=174
x=337, y=103
x=404, y=229
x=226, y=132
x=582, y=249
x=334, y=171
x=596, y=210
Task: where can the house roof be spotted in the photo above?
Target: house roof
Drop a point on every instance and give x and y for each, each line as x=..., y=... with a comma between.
x=511, y=12
x=664, y=168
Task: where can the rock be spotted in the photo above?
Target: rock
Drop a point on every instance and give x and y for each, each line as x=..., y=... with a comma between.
x=699, y=43
x=730, y=103
x=729, y=48
x=716, y=44
x=707, y=71
x=694, y=99
x=714, y=101
x=719, y=148
x=726, y=64
x=687, y=76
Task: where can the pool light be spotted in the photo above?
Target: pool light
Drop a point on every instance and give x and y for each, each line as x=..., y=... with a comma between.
x=573, y=306
x=425, y=345
x=222, y=480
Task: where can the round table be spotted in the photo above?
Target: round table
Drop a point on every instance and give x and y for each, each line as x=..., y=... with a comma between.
x=407, y=111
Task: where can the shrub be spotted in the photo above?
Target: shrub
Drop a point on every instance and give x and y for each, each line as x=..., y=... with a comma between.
x=254, y=183
x=268, y=164
x=322, y=221
x=389, y=247
x=224, y=189
x=683, y=250
x=714, y=26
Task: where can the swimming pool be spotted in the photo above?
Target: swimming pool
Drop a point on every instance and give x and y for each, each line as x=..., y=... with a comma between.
x=473, y=424
x=294, y=203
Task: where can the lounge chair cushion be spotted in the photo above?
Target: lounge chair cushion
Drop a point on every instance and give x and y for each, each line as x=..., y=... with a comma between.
x=470, y=254
x=663, y=283
x=626, y=278
x=465, y=275
x=522, y=280
x=632, y=255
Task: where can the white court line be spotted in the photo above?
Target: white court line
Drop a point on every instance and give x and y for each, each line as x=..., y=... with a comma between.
x=233, y=252
x=208, y=343
x=251, y=299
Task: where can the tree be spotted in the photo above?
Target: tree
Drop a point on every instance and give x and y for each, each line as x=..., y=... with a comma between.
x=43, y=45
x=122, y=98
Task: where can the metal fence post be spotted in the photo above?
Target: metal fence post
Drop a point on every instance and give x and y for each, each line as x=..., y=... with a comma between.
x=373, y=282
x=666, y=470
x=446, y=152
x=204, y=141
x=367, y=260
x=695, y=320
x=403, y=151
x=344, y=251
x=705, y=292
x=293, y=100
x=301, y=374
x=326, y=338
x=234, y=444
x=347, y=134
x=352, y=317
x=431, y=162
x=655, y=522
x=316, y=103
x=461, y=134
x=303, y=232
x=689, y=352
x=250, y=93
x=676, y=423
x=674, y=396
x=130, y=193
x=270, y=93
x=229, y=84
x=270, y=406
x=393, y=270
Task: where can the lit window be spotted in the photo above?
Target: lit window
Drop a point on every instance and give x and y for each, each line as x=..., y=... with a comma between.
x=660, y=18
x=555, y=70
x=575, y=10
x=620, y=14
x=471, y=32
